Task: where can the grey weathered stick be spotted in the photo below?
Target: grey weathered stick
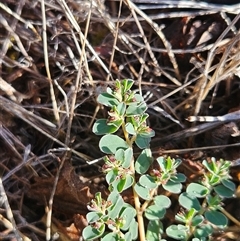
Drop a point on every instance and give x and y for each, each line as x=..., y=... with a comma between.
x=213, y=122
x=233, y=116
x=192, y=4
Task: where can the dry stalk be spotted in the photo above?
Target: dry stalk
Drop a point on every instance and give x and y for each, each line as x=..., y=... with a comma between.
x=32, y=119
x=13, y=94
x=9, y=213
x=114, y=43
x=74, y=23
x=158, y=30
x=227, y=66
x=45, y=49
x=203, y=83
x=20, y=45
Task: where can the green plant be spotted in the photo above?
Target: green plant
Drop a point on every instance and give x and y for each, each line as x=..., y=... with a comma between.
x=115, y=219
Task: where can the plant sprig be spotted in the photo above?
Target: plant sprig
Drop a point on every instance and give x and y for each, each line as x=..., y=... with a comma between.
x=114, y=219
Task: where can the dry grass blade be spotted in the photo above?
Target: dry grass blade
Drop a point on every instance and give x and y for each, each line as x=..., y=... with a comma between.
x=42, y=125
x=197, y=149
x=205, y=87
x=158, y=30
x=4, y=22
x=28, y=24
x=27, y=116
x=12, y=223
x=11, y=92
x=72, y=20
x=233, y=8
x=45, y=49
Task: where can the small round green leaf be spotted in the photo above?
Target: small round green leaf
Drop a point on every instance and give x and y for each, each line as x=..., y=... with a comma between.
x=215, y=202
x=162, y=162
x=178, y=177
x=111, y=176
x=125, y=157
x=101, y=127
x=136, y=109
x=197, y=190
x=210, y=166
x=121, y=108
x=154, y=212
x=143, y=161
x=154, y=230
x=122, y=183
x=188, y=201
x=92, y=217
x=138, y=98
x=113, y=187
x=117, y=204
x=129, y=181
x=229, y=184
x=203, y=231
x=107, y=100
x=147, y=133
x=178, y=232
x=198, y=219
x=128, y=236
x=223, y=191
x=90, y=233
x=162, y=201
x=109, y=144
x=172, y=187
x=130, y=129
x=128, y=214
x=111, y=237
x=120, y=155
x=142, y=142
x=147, y=181
x=127, y=84
x=133, y=229
x=216, y=218
x=142, y=191
x=168, y=164
x=128, y=158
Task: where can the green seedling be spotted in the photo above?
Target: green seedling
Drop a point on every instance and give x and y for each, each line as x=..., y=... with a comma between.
x=125, y=129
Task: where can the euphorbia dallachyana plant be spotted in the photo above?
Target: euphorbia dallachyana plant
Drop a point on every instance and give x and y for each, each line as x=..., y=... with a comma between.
x=113, y=219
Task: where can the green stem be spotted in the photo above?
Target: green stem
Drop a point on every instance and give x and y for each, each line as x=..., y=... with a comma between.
x=146, y=203
x=133, y=139
x=141, y=228
x=126, y=135
x=201, y=212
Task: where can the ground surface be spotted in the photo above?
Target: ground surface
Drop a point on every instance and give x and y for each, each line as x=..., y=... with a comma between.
x=184, y=58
